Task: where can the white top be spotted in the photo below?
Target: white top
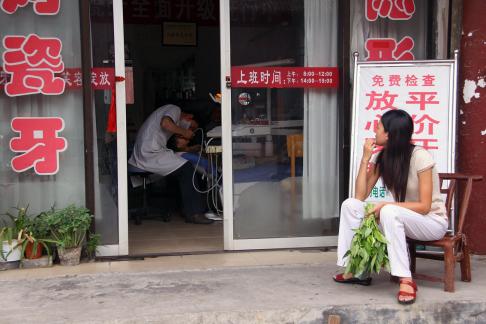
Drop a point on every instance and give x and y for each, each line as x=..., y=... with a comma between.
x=420, y=161
x=150, y=152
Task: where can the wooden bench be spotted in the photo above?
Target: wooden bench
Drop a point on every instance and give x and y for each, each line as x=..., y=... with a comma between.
x=453, y=245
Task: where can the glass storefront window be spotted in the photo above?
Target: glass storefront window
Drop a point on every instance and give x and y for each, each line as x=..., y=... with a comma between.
x=280, y=192
x=50, y=152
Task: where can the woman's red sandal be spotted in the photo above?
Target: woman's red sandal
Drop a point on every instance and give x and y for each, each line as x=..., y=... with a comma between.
x=407, y=294
x=340, y=278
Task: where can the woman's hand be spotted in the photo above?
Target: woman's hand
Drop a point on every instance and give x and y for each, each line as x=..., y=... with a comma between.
x=368, y=148
x=376, y=210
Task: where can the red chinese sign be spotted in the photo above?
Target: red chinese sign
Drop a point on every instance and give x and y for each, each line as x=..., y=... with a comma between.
x=203, y=12
x=424, y=91
x=41, y=7
x=31, y=63
x=284, y=77
x=391, y=9
x=101, y=78
x=389, y=49
x=38, y=143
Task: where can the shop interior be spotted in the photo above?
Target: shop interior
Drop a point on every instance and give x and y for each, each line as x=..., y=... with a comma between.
x=166, y=72
x=267, y=132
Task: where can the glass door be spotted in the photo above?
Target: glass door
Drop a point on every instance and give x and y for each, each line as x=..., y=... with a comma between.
x=281, y=155
x=109, y=101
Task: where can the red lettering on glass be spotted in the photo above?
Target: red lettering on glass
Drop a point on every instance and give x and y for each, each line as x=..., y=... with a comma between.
x=39, y=144
x=380, y=101
x=31, y=62
x=206, y=10
x=185, y=6
x=41, y=7
x=387, y=49
x=394, y=10
x=422, y=99
x=140, y=8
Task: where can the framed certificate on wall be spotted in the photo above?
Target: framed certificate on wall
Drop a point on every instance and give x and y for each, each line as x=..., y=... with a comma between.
x=179, y=34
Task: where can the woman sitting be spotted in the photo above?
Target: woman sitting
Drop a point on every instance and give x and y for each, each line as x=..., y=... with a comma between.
x=418, y=211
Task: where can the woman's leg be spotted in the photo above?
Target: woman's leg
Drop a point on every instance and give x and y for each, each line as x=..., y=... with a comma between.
x=398, y=223
x=352, y=212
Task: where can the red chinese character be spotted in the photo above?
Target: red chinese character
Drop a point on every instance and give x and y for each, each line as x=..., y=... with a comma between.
x=425, y=143
x=428, y=80
x=41, y=7
x=32, y=61
x=422, y=99
x=374, y=123
x=39, y=142
x=394, y=80
x=380, y=101
x=411, y=80
x=377, y=81
x=391, y=9
x=425, y=122
x=387, y=49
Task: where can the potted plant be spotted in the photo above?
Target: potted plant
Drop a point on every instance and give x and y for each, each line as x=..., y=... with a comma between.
x=12, y=235
x=37, y=238
x=10, y=251
x=68, y=228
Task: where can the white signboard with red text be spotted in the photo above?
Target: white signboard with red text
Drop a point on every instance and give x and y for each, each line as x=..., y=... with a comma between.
x=425, y=89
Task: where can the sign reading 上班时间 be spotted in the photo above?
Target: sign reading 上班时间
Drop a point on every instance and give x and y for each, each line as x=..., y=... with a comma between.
x=424, y=89
x=284, y=77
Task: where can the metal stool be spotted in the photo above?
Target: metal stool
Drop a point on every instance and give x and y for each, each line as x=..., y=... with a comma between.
x=134, y=171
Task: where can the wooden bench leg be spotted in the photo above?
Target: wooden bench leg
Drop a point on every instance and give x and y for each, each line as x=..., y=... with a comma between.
x=449, y=264
x=465, y=264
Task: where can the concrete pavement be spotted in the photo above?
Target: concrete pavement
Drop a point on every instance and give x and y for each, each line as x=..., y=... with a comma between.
x=253, y=287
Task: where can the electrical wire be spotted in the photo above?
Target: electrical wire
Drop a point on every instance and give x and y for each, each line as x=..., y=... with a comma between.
x=210, y=169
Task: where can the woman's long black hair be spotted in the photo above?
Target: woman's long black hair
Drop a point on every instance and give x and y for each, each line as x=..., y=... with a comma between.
x=394, y=161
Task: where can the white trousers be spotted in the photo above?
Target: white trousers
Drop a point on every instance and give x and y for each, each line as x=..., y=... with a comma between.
x=396, y=223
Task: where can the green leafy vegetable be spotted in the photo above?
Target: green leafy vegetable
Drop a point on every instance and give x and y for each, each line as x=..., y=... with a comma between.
x=368, y=248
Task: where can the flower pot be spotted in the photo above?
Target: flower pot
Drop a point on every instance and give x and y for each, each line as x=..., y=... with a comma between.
x=69, y=257
x=10, y=252
x=29, y=251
